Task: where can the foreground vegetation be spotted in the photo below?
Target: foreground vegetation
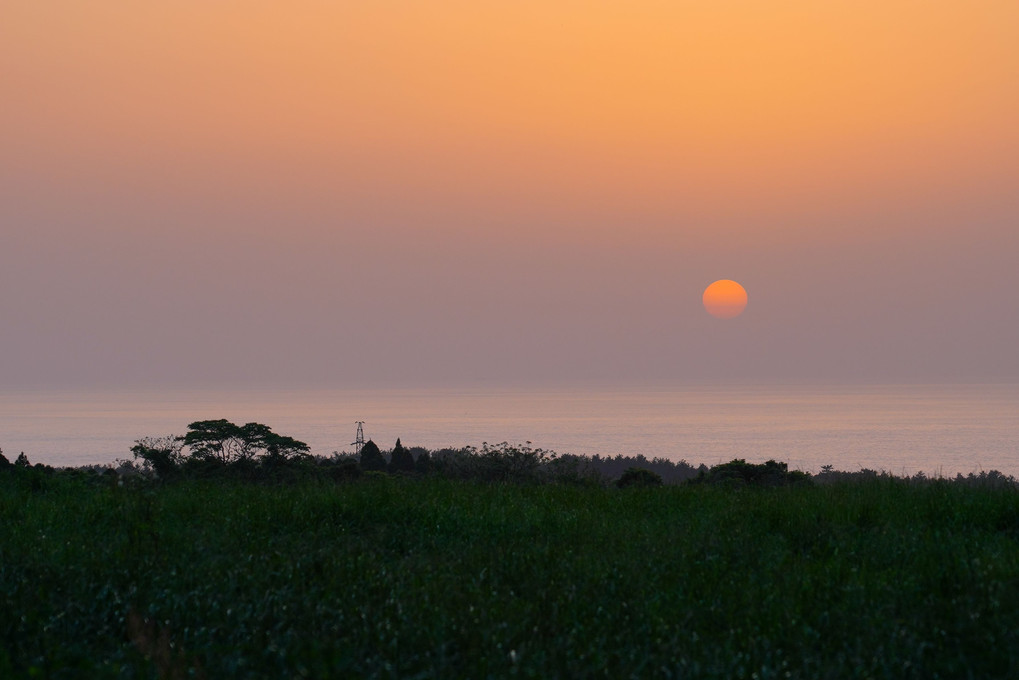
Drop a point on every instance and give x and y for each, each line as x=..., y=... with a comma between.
x=402, y=577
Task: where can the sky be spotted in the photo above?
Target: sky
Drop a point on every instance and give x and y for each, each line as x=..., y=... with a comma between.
x=401, y=193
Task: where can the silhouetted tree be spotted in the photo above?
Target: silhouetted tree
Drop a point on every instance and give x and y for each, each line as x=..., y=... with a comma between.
x=739, y=472
x=162, y=454
x=218, y=440
x=639, y=477
x=4, y=463
x=401, y=460
x=570, y=468
x=423, y=464
x=671, y=472
x=371, y=457
x=277, y=448
x=224, y=442
x=22, y=461
x=512, y=462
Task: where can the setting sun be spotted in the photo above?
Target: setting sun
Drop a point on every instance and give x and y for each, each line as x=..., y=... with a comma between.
x=725, y=299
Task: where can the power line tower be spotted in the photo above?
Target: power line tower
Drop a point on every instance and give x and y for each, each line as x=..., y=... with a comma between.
x=358, y=443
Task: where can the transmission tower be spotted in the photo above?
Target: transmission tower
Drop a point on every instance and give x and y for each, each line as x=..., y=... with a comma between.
x=358, y=443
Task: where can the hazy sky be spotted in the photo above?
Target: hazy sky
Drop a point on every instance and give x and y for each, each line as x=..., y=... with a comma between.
x=412, y=193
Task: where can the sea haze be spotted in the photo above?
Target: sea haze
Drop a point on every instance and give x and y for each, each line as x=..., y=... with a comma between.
x=901, y=429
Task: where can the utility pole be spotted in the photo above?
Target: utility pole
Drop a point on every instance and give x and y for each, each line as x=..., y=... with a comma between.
x=358, y=443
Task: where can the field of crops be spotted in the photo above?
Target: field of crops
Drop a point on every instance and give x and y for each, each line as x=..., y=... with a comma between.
x=419, y=578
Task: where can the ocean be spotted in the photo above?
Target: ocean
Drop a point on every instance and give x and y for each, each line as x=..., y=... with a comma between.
x=944, y=430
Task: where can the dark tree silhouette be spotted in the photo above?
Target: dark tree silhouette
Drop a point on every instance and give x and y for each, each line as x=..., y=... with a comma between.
x=162, y=454
x=423, y=464
x=218, y=440
x=224, y=442
x=739, y=472
x=638, y=477
x=401, y=459
x=22, y=461
x=371, y=457
x=276, y=447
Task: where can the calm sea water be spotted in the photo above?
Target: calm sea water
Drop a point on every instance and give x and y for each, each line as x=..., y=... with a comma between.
x=939, y=429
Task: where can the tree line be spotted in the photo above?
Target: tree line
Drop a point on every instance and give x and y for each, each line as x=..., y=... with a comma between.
x=220, y=448
x=254, y=450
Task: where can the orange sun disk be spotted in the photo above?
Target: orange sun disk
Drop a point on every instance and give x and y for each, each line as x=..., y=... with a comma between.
x=725, y=299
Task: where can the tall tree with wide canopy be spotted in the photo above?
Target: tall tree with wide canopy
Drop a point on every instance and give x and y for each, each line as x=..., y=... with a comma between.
x=226, y=442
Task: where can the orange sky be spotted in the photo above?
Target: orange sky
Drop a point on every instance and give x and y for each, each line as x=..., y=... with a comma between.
x=773, y=102
x=742, y=130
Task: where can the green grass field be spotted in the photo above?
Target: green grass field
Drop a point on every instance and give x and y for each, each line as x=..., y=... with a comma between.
x=409, y=578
